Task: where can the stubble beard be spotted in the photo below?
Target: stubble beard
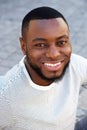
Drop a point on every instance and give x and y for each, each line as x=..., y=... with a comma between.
x=41, y=75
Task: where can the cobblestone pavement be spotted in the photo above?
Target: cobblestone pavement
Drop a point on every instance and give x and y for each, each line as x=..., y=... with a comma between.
x=11, y=14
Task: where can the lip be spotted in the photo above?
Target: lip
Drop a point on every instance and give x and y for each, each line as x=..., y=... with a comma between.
x=53, y=66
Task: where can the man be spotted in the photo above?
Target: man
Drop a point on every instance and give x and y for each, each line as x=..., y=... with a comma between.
x=41, y=92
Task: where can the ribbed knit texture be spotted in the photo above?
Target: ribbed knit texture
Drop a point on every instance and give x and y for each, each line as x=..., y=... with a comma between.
x=27, y=106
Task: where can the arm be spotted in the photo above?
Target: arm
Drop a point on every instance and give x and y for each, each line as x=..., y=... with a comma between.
x=5, y=115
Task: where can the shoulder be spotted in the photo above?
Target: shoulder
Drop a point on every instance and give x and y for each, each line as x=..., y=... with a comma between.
x=78, y=61
x=77, y=58
x=11, y=78
x=79, y=67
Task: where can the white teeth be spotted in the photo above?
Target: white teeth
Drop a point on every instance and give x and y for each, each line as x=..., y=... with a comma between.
x=52, y=65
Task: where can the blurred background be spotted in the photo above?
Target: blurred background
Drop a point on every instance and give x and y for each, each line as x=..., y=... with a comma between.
x=11, y=15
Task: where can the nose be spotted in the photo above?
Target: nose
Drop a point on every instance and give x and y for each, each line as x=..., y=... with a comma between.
x=53, y=52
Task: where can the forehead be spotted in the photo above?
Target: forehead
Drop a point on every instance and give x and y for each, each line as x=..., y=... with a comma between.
x=45, y=26
x=48, y=22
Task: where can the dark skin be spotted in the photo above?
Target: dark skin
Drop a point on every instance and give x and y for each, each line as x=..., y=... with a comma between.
x=46, y=44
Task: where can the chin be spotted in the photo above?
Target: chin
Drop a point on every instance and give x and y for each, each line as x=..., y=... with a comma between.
x=57, y=75
x=54, y=77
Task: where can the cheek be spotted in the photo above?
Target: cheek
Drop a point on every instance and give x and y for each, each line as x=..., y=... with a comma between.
x=34, y=56
x=68, y=51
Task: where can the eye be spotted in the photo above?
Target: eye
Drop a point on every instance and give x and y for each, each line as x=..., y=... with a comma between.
x=41, y=45
x=61, y=43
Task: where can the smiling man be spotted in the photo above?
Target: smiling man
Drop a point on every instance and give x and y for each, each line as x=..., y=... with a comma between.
x=41, y=92
x=47, y=48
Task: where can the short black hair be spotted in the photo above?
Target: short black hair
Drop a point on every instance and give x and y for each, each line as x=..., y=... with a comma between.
x=40, y=13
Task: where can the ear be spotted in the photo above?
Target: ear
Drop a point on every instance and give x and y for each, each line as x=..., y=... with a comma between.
x=23, y=45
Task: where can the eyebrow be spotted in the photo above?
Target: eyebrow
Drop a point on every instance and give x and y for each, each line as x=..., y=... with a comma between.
x=43, y=39
x=64, y=36
x=39, y=39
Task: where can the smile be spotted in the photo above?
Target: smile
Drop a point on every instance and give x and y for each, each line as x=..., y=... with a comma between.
x=53, y=66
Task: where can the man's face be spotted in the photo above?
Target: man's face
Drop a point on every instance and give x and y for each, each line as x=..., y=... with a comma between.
x=48, y=49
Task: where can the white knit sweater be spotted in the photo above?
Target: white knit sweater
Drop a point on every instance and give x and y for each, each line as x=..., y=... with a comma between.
x=27, y=106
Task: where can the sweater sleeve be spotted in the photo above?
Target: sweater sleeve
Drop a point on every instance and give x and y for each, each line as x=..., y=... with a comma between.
x=80, y=64
x=83, y=71
x=5, y=114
